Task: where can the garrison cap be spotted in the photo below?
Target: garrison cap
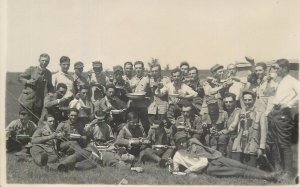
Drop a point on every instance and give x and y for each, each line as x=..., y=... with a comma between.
x=216, y=67
x=180, y=135
x=118, y=68
x=78, y=64
x=97, y=64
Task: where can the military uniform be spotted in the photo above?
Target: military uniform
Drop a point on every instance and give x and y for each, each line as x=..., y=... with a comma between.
x=79, y=81
x=97, y=81
x=45, y=148
x=141, y=84
x=251, y=136
x=117, y=104
x=198, y=100
x=32, y=96
x=194, y=124
x=53, y=107
x=18, y=134
x=216, y=141
x=126, y=134
x=158, y=136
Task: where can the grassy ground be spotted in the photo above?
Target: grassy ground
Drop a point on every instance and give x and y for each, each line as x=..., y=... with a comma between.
x=28, y=172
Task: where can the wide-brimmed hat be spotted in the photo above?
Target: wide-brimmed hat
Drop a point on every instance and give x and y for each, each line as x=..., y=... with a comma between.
x=99, y=114
x=97, y=64
x=216, y=67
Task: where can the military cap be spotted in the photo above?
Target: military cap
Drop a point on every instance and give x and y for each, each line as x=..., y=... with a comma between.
x=216, y=67
x=211, y=100
x=78, y=65
x=117, y=68
x=97, y=64
x=249, y=92
x=99, y=114
x=180, y=135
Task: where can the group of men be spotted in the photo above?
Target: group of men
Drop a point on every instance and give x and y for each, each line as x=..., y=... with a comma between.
x=226, y=124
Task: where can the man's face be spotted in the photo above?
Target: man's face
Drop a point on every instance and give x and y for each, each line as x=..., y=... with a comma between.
x=193, y=74
x=65, y=66
x=186, y=111
x=176, y=77
x=78, y=71
x=23, y=117
x=61, y=92
x=83, y=93
x=133, y=124
x=219, y=73
x=118, y=75
x=232, y=69
x=213, y=109
x=139, y=69
x=259, y=70
x=279, y=70
x=248, y=101
x=229, y=103
x=155, y=71
x=44, y=61
x=110, y=92
x=128, y=69
x=50, y=121
x=73, y=116
x=184, y=69
x=98, y=69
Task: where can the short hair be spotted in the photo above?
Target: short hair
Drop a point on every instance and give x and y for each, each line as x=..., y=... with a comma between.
x=253, y=94
x=262, y=64
x=45, y=55
x=108, y=86
x=194, y=68
x=81, y=87
x=128, y=63
x=283, y=63
x=156, y=65
x=73, y=110
x=131, y=116
x=139, y=62
x=184, y=64
x=61, y=85
x=175, y=71
x=64, y=59
x=228, y=94
x=48, y=116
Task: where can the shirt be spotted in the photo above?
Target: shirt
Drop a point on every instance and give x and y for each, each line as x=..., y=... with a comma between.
x=97, y=78
x=287, y=92
x=21, y=129
x=170, y=89
x=101, y=132
x=126, y=134
x=141, y=85
x=194, y=164
x=67, y=79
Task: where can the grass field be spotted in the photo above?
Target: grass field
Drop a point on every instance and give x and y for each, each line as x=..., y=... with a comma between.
x=27, y=172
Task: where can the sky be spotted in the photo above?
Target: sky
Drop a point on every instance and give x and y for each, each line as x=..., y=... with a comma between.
x=115, y=31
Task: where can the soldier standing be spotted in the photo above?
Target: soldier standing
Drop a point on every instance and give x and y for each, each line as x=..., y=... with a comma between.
x=37, y=83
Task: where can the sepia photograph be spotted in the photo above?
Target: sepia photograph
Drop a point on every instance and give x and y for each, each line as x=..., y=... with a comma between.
x=162, y=92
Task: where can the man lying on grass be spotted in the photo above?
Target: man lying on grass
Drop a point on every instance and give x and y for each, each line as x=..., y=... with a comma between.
x=197, y=159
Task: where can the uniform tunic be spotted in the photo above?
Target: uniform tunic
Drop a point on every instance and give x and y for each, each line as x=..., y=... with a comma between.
x=32, y=96
x=159, y=105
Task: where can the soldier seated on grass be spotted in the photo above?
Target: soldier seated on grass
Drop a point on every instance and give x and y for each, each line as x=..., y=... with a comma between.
x=160, y=149
x=44, y=142
x=196, y=158
x=19, y=132
x=132, y=135
x=103, y=140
